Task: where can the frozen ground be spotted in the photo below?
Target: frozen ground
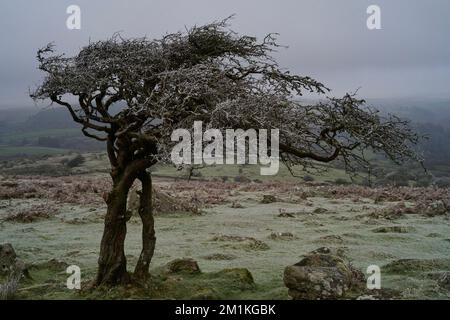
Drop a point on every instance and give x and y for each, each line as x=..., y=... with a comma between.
x=237, y=230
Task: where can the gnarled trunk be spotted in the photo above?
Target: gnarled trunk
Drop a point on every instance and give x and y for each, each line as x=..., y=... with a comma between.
x=148, y=227
x=112, y=264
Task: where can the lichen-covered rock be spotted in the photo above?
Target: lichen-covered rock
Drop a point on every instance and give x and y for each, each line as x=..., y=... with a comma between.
x=436, y=208
x=7, y=258
x=185, y=265
x=444, y=280
x=11, y=267
x=321, y=276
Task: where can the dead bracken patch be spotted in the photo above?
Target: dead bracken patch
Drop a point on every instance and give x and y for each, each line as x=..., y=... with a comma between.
x=424, y=196
x=71, y=189
x=192, y=196
x=428, y=208
x=36, y=212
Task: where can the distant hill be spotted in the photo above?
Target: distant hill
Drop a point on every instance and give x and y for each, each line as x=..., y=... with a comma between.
x=24, y=128
x=431, y=118
x=53, y=118
x=433, y=111
x=53, y=127
x=9, y=118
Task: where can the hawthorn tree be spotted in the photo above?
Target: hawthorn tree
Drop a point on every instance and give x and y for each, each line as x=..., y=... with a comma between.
x=132, y=94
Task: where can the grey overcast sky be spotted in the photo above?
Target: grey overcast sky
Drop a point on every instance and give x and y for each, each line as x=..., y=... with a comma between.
x=327, y=39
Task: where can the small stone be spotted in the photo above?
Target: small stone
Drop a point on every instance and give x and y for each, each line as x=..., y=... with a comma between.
x=394, y=229
x=286, y=215
x=242, y=179
x=268, y=198
x=320, y=210
x=282, y=236
x=236, y=205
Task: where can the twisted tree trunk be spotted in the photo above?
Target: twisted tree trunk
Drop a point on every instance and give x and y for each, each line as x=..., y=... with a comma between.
x=148, y=227
x=112, y=264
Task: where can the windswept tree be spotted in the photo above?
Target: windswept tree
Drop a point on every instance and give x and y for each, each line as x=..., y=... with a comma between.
x=210, y=74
